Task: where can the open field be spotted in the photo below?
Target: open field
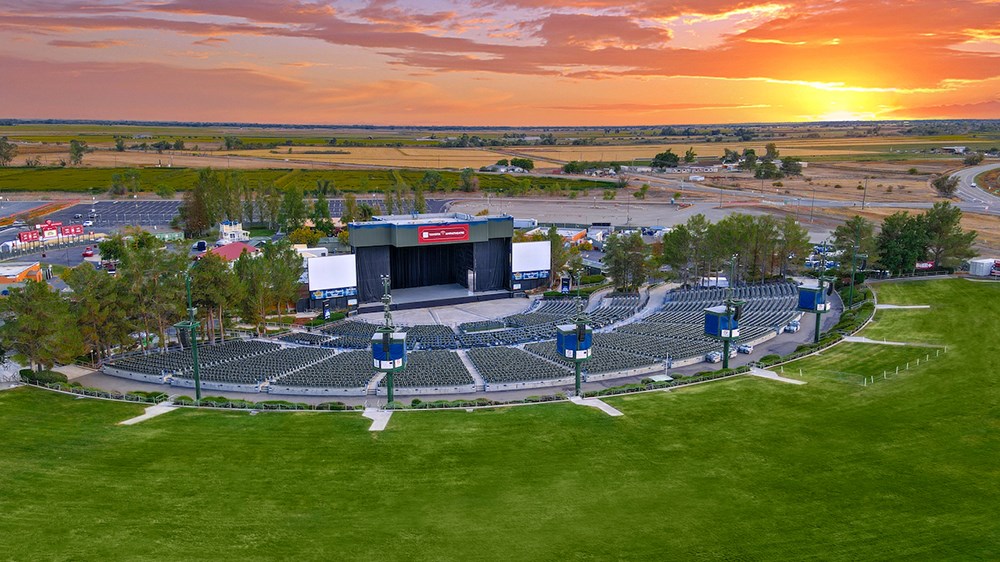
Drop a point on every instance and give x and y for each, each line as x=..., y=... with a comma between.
x=744, y=469
x=852, y=362
x=412, y=157
x=98, y=180
x=987, y=226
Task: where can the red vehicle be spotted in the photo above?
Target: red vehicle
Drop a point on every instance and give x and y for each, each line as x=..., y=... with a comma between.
x=89, y=252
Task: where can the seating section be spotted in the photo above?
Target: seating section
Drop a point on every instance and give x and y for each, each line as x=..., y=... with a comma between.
x=264, y=367
x=351, y=334
x=510, y=364
x=350, y=369
x=178, y=362
x=304, y=338
x=430, y=336
x=481, y=326
x=432, y=368
x=607, y=360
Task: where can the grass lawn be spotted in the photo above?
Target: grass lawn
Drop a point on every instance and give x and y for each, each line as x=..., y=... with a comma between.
x=744, y=469
x=851, y=362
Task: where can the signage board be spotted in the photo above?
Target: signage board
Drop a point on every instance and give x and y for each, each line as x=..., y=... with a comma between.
x=335, y=293
x=28, y=236
x=72, y=230
x=442, y=233
x=528, y=275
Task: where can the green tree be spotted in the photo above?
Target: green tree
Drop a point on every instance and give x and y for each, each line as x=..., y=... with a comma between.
x=468, y=180
x=690, y=155
x=793, y=243
x=626, y=259
x=791, y=166
x=558, y=252
x=388, y=201
x=770, y=152
x=749, y=159
x=284, y=266
x=767, y=170
x=730, y=156
x=419, y=201
x=948, y=244
x=293, y=209
x=197, y=212
x=76, y=151
x=321, y=214
x=39, y=328
x=902, y=242
x=305, y=235
x=641, y=193
x=856, y=229
x=350, y=212
x=119, y=144
x=178, y=144
x=524, y=163
x=503, y=162
x=431, y=180
x=365, y=212
x=945, y=185
x=271, y=199
x=214, y=289
x=100, y=304
x=255, y=290
x=973, y=159
x=666, y=159
x=112, y=248
x=155, y=277
x=8, y=151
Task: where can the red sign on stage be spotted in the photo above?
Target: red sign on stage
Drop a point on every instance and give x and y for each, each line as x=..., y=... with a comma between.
x=442, y=233
x=72, y=230
x=28, y=236
x=48, y=224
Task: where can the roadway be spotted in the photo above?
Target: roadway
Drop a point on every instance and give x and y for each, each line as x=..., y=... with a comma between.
x=985, y=201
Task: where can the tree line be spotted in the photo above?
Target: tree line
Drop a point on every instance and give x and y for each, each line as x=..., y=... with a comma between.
x=102, y=314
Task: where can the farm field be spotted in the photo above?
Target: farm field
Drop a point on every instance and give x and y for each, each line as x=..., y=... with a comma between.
x=413, y=157
x=98, y=180
x=742, y=469
x=834, y=148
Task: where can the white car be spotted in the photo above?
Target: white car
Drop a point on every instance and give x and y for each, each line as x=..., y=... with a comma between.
x=88, y=223
x=713, y=357
x=745, y=348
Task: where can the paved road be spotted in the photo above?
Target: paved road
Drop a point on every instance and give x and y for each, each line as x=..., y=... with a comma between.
x=975, y=196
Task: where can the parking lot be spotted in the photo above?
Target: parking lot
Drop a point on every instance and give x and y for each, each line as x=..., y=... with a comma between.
x=119, y=213
x=14, y=208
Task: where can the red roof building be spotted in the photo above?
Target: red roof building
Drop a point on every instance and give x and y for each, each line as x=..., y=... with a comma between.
x=232, y=252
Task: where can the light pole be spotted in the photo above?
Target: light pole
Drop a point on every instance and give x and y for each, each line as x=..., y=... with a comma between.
x=388, y=346
x=192, y=324
x=573, y=341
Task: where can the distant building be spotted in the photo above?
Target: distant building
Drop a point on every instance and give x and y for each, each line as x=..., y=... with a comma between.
x=19, y=272
x=954, y=149
x=232, y=231
x=232, y=252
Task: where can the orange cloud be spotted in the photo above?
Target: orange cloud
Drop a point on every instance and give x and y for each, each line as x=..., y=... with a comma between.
x=87, y=44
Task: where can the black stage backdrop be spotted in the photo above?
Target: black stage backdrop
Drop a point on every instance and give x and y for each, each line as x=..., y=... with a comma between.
x=421, y=266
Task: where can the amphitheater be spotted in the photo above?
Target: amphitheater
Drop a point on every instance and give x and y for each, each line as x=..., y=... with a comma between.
x=634, y=335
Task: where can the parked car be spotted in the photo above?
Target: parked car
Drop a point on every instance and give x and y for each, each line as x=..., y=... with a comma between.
x=713, y=357
x=732, y=352
x=88, y=252
x=199, y=246
x=793, y=327
x=745, y=348
x=88, y=223
x=78, y=216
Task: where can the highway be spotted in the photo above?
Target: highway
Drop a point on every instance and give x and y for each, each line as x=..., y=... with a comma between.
x=983, y=201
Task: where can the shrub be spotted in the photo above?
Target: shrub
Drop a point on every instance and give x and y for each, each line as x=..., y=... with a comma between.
x=44, y=376
x=770, y=358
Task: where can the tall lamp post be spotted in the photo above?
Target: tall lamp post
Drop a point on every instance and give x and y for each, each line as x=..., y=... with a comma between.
x=192, y=324
x=574, y=341
x=722, y=322
x=814, y=299
x=388, y=345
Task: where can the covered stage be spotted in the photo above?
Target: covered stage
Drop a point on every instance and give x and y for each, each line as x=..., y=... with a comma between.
x=434, y=295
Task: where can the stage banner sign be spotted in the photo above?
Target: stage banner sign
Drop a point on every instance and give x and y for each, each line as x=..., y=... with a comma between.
x=28, y=236
x=72, y=230
x=335, y=293
x=442, y=233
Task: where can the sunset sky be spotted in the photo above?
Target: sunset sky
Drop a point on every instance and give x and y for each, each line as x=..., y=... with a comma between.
x=500, y=62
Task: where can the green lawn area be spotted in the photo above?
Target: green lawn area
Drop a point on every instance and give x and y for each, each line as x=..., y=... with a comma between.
x=745, y=469
x=851, y=362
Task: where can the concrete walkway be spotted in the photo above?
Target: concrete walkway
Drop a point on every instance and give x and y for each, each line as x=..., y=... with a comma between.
x=595, y=403
x=151, y=412
x=861, y=339
x=900, y=306
x=380, y=418
x=765, y=374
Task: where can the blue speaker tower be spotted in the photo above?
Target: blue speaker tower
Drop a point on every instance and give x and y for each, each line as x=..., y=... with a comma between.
x=388, y=345
x=574, y=341
x=722, y=322
x=814, y=296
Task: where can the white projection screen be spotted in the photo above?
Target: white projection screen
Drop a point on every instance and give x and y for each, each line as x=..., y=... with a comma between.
x=531, y=256
x=332, y=272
